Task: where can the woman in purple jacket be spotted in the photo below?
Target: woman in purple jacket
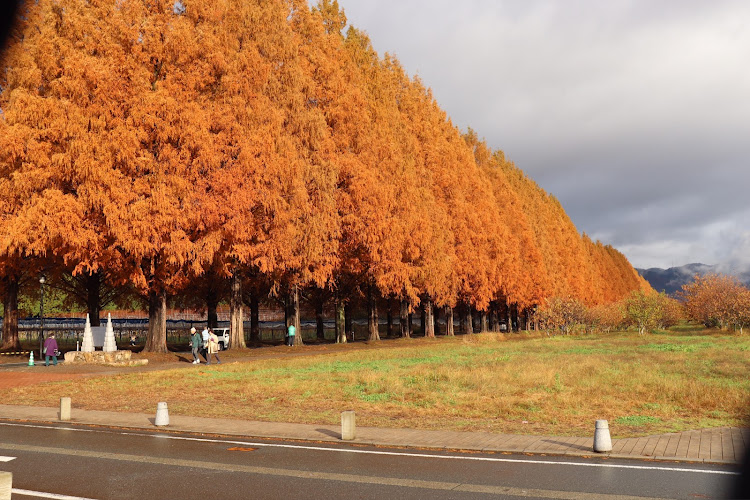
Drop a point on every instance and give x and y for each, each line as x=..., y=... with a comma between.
x=50, y=350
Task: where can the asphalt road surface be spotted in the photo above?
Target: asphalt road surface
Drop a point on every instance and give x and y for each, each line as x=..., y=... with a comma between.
x=76, y=462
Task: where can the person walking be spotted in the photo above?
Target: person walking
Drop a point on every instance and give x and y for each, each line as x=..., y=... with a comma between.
x=213, y=347
x=196, y=342
x=204, y=347
x=50, y=350
x=290, y=334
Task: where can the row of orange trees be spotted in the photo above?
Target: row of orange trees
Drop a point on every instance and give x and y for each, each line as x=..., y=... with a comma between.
x=231, y=148
x=713, y=300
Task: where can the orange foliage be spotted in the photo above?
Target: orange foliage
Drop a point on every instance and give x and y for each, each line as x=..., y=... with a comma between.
x=717, y=300
x=160, y=142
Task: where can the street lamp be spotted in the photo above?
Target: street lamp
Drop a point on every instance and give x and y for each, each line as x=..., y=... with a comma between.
x=42, y=281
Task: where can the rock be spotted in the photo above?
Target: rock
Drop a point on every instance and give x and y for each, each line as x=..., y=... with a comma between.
x=113, y=358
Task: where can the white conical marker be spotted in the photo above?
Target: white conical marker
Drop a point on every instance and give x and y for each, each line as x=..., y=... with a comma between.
x=110, y=345
x=88, y=338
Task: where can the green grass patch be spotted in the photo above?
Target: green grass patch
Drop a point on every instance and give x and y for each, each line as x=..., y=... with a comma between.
x=636, y=420
x=490, y=382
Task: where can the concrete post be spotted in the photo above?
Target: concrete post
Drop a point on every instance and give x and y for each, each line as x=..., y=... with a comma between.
x=602, y=441
x=64, y=408
x=348, y=427
x=6, y=485
x=162, y=414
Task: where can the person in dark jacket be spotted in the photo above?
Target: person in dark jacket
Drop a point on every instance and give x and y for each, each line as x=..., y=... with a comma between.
x=196, y=342
x=50, y=350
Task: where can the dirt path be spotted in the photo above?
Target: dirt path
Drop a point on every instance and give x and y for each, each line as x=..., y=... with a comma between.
x=11, y=379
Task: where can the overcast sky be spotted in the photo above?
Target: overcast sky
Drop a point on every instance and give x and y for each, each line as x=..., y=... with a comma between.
x=634, y=114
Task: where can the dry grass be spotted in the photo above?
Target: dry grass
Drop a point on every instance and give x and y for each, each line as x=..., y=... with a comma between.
x=492, y=382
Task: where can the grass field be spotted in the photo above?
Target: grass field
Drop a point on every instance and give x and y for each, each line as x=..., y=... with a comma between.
x=518, y=383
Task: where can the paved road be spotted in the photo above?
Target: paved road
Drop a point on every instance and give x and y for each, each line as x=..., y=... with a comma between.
x=99, y=463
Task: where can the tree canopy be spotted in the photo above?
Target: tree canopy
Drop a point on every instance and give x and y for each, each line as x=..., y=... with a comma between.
x=161, y=140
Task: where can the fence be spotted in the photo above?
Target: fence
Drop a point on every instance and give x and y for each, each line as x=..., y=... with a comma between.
x=69, y=331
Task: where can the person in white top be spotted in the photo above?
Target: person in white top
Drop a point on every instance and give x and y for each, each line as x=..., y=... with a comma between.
x=204, y=349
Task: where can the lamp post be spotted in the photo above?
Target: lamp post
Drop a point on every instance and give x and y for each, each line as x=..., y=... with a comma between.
x=42, y=281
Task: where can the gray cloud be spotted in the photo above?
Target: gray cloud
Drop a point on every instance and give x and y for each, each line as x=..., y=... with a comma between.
x=634, y=114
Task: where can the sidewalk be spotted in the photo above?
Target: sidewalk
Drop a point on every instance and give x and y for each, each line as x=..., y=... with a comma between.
x=723, y=445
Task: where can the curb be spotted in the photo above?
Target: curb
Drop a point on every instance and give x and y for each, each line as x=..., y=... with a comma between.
x=376, y=443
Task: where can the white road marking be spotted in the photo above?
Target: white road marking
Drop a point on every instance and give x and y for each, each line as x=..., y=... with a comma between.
x=387, y=453
x=7, y=459
x=329, y=476
x=41, y=494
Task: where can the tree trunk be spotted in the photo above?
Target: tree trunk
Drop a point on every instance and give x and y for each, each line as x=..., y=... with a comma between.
x=494, y=327
x=156, y=339
x=10, y=339
x=508, y=317
x=320, y=326
x=287, y=313
x=436, y=316
x=389, y=318
x=93, y=297
x=295, y=316
x=483, y=325
x=429, y=318
x=340, y=321
x=236, y=313
x=404, y=319
x=348, y=326
x=468, y=323
x=423, y=320
x=254, y=319
x=526, y=320
x=449, y=321
x=372, y=314
x=212, y=303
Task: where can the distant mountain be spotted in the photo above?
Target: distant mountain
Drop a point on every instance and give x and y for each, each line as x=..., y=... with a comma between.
x=671, y=280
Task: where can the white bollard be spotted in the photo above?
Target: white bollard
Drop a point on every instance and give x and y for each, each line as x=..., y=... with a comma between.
x=348, y=427
x=602, y=441
x=162, y=414
x=6, y=485
x=64, y=408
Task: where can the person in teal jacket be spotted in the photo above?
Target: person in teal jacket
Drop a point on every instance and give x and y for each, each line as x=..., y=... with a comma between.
x=196, y=342
x=291, y=332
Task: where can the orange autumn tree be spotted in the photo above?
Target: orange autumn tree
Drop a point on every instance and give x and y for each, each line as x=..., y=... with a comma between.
x=521, y=272
x=716, y=300
x=46, y=149
x=265, y=200
x=126, y=175
x=373, y=173
x=430, y=249
x=165, y=142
